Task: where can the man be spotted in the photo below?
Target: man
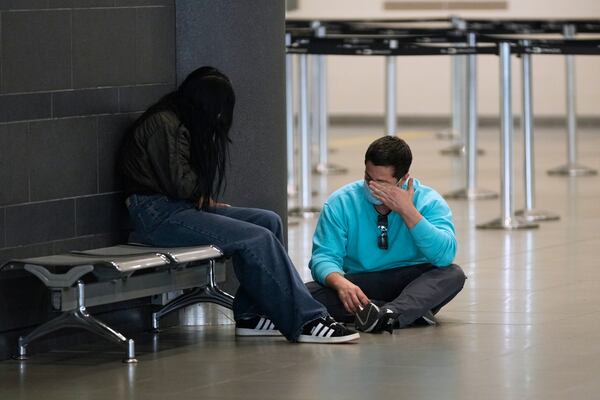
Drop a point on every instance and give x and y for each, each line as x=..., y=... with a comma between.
x=383, y=247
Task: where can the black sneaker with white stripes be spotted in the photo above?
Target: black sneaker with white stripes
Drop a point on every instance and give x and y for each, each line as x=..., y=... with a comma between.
x=326, y=330
x=257, y=326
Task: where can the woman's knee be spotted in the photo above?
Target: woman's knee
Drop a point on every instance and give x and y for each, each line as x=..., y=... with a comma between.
x=272, y=220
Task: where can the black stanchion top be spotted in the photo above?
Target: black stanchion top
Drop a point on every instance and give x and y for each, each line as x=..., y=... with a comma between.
x=412, y=46
x=531, y=26
x=439, y=25
x=382, y=47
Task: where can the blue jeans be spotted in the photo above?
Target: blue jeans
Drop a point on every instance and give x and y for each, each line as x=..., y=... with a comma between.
x=269, y=283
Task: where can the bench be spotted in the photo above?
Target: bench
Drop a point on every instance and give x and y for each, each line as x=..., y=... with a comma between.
x=81, y=279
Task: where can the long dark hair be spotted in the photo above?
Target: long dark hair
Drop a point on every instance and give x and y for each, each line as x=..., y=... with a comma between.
x=204, y=104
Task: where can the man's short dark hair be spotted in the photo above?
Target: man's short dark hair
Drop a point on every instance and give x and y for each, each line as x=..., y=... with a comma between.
x=390, y=151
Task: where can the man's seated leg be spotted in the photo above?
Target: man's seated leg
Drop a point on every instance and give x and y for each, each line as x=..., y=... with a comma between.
x=422, y=298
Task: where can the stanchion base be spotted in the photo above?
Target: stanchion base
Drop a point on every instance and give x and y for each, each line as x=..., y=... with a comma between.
x=330, y=169
x=447, y=135
x=473, y=194
x=292, y=191
x=508, y=224
x=458, y=149
x=572, y=170
x=293, y=223
x=309, y=212
x=537, y=215
x=130, y=361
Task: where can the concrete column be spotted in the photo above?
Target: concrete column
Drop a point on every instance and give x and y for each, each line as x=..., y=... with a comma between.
x=245, y=40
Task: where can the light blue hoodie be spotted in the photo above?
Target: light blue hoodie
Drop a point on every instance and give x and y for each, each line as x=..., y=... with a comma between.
x=345, y=239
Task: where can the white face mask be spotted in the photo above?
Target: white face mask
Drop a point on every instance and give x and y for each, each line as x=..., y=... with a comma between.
x=370, y=196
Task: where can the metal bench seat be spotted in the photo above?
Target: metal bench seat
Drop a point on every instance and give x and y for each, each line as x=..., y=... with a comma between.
x=120, y=273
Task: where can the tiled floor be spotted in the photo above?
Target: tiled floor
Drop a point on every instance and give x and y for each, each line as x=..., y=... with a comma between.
x=525, y=326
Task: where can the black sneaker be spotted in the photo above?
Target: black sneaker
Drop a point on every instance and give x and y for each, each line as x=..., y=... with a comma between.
x=374, y=320
x=326, y=330
x=257, y=326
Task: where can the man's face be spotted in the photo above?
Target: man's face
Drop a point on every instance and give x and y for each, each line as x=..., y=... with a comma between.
x=381, y=174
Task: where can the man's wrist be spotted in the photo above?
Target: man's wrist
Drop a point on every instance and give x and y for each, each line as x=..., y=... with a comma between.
x=334, y=280
x=411, y=217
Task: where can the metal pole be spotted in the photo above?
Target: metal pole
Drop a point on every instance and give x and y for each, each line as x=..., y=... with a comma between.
x=529, y=213
x=304, y=194
x=471, y=143
x=571, y=168
x=457, y=88
x=459, y=109
x=390, y=92
x=324, y=167
x=323, y=156
x=458, y=147
x=455, y=97
x=527, y=122
x=289, y=113
x=571, y=111
x=315, y=101
x=305, y=144
x=507, y=218
x=471, y=191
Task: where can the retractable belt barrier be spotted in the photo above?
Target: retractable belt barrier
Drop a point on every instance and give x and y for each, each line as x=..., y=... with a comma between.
x=463, y=39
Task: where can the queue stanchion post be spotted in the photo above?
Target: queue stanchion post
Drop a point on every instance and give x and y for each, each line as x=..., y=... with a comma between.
x=314, y=103
x=507, y=220
x=572, y=168
x=459, y=109
x=314, y=99
x=390, y=91
x=457, y=95
x=323, y=167
x=471, y=192
x=304, y=208
x=529, y=213
x=456, y=86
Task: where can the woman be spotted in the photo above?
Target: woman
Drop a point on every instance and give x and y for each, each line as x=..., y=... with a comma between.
x=174, y=162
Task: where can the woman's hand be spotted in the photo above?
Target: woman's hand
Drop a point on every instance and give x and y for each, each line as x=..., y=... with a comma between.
x=213, y=204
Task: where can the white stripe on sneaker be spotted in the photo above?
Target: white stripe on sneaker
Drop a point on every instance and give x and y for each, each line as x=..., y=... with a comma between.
x=317, y=329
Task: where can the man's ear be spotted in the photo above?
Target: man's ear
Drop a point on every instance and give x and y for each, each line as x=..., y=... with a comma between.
x=404, y=179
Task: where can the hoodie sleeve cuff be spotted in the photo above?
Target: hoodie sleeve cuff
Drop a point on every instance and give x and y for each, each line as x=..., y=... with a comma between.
x=324, y=271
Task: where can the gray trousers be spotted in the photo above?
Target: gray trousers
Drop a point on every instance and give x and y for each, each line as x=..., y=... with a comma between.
x=409, y=291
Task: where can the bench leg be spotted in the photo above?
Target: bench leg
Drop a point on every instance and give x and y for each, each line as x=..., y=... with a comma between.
x=78, y=318
x=211, y=293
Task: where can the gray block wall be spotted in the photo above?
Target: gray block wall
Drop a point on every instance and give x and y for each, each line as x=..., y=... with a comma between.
x=245, y=40
x=73, y=75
